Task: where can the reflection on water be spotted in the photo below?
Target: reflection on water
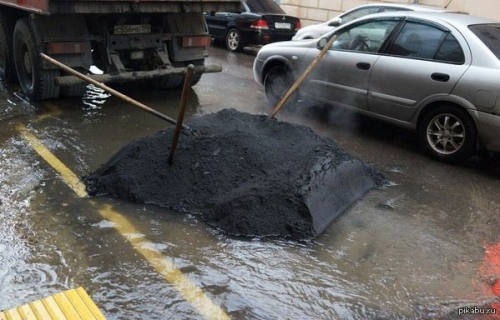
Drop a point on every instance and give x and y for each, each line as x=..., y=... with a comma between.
x=413, y=250
x=20, y=178
x=12, y=106
x=371, y=263
x=93, y=102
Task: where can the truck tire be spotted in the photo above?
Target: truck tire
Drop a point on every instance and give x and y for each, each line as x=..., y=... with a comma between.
x=7, y=70
x=75, y=91
x=177, y=80
x=37, y=83
x=168, y=82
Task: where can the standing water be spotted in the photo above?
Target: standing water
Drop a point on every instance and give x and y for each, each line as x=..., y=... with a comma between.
x=420, y=248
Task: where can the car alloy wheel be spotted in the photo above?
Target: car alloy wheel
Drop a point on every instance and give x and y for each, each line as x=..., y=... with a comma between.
x=233, y=40
x=449, y=134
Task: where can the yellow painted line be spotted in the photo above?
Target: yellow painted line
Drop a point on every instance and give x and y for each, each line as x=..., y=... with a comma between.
x=67, y=175
x=53, y=111
x=163, y=265
x=73, y=304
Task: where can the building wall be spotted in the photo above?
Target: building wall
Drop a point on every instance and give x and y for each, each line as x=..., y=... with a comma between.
x=314, y=11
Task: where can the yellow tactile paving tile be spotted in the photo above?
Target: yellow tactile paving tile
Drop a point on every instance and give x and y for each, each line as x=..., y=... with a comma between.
x=74, y=304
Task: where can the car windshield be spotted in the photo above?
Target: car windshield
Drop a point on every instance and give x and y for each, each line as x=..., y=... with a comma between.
x=489, y=34
x=260, y=6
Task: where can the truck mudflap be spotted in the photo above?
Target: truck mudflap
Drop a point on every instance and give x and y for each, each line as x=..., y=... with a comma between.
x=135, y=75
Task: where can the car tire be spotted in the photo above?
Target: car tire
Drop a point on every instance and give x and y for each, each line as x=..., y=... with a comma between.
x=37, y=83
x=7, y=70
x=448, y=134
x=277, y=83
x=234, y=42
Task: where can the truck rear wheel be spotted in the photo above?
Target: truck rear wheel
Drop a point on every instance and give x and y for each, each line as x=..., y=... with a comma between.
x=177, y=80
x=7, y=71
x=37, y=83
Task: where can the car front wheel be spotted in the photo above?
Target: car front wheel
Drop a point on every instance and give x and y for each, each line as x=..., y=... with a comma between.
x=277, y=83
x=234, y=42
x=448, y=134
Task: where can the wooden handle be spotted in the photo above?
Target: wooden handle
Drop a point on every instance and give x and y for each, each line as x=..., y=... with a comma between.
x=302, y=77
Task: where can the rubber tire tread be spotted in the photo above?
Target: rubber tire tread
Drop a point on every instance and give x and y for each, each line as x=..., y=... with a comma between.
x=177, y=81
x=77, y=90
x=8, y=71
x=42, y=84
x=469, y=146
x=272, y=74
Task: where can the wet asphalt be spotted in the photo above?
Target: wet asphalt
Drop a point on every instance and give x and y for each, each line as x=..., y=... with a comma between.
x=421, y=248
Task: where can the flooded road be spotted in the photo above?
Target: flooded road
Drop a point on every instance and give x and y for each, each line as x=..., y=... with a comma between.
x=420, y=248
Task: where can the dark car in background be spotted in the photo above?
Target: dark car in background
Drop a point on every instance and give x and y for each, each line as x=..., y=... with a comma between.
x=258, y=22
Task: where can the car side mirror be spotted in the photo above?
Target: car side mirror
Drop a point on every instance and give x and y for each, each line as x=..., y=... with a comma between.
x=321, y=43
x=335, y=22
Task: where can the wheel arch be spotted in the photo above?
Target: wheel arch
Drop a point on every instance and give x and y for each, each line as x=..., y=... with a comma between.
x=458, y=103
x=274, y=62
x=452, y=101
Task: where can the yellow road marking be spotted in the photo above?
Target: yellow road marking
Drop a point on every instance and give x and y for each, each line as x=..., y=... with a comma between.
x=67, y=175
x=53, y=111
x=162, y=264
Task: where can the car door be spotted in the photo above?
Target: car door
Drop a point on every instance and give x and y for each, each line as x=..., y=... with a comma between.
x=424, y=60
x=342, y=75
x=218, y=22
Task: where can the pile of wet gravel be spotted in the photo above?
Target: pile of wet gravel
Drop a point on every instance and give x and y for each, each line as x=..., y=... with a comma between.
x=244, y=174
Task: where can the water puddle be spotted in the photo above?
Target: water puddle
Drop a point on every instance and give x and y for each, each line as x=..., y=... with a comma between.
x=420, y=248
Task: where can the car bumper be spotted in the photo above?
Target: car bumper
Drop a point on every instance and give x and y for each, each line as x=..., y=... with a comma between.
x=256, y=37
x=257, y=70
x=488, y=128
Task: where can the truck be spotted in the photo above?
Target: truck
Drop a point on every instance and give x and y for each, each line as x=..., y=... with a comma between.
x=151, y=41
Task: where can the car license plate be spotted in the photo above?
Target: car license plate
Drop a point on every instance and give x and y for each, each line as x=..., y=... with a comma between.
x=282, y=25
x=132, y=28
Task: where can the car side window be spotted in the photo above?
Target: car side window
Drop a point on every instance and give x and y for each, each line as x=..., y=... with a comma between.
x=365, y=37
x=358, y=13
x=421, y=41
x=489, y=34
x=450, y=51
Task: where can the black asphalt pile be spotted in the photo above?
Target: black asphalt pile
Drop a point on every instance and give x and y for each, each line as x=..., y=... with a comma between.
x=241, y=173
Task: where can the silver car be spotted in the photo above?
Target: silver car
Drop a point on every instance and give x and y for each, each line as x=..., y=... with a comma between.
x=317, y=30
x=437, y=73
